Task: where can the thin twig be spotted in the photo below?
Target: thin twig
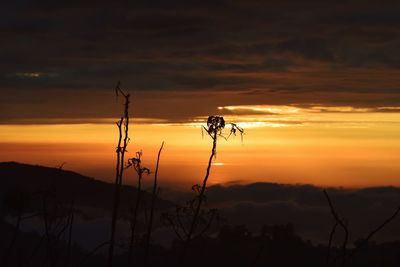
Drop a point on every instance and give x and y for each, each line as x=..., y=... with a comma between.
x=332, y=233
x=153, y=202
x=374, y=231
x=71, y=223
x=343, y=224
x=210, y=221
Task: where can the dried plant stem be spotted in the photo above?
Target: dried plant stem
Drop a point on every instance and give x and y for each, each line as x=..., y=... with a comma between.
x=116, y=198
x=331, y=235
x=134, y=219
x=122, y=144
x=374, y=231
x=153, y=202
x=341, y=223
x=193, y=225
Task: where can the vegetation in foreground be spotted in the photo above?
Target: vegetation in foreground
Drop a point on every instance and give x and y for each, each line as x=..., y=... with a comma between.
x=202, y=237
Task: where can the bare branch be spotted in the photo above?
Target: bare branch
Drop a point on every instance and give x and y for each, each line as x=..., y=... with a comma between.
x=342, y=223
x=122, y=144
x=330, y=243
x=374, y=231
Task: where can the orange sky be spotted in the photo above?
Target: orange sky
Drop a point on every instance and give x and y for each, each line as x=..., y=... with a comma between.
x=314, y=84
x=336, y=146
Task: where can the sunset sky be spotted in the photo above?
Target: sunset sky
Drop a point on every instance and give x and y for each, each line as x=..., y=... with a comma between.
x=315, y=85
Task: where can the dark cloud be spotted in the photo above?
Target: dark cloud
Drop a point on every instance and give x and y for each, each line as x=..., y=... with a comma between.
x=269, y=46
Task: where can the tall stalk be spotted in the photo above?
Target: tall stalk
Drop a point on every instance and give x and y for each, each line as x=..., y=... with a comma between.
x=215, y=125
x=153, y=201
x=122, y=144
x=137, y=165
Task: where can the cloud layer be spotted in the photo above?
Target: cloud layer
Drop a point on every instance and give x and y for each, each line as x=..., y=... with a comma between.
x=266, y=51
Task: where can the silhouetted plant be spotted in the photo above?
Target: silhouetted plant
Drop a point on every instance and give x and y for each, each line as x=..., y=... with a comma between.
x=365, y=241
x=57, y=219
x=338, y=222
x=122, y=144
x=16, y=204
x=181, y=219
x=152, y=207
x=136, y=164
x=331, y=235
x=192, y=211
x=70, y=223
x=55, y=216
x=343, y=223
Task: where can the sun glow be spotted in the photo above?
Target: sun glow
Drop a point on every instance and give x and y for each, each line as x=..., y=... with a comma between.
x=337, y=146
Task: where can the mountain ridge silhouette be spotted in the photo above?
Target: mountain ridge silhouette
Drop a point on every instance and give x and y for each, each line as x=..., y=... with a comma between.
x=68, y=186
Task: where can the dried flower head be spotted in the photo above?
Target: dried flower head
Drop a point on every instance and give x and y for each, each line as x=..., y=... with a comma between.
x=136, y=163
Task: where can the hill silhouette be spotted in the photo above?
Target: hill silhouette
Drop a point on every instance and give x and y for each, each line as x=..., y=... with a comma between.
x=67, y=186
x=279, y=211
